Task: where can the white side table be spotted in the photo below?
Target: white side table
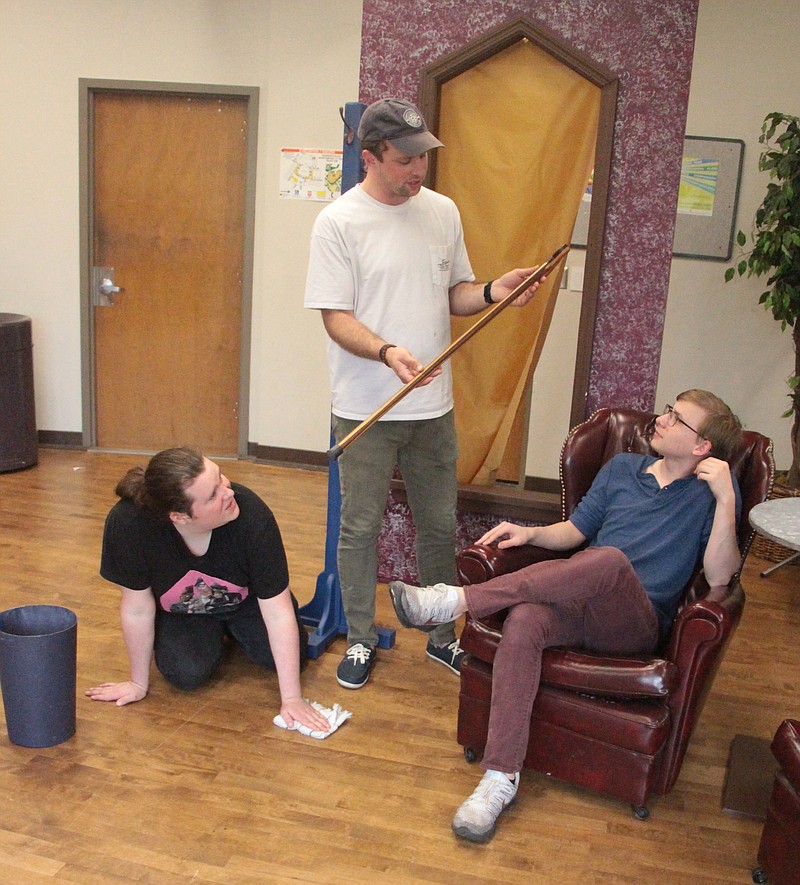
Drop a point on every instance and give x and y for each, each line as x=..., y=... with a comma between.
x=779, y=520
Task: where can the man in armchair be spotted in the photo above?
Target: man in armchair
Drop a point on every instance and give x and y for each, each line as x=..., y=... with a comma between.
x=648, y=521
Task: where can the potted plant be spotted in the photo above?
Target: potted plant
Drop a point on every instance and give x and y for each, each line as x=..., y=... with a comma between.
x=775, y=251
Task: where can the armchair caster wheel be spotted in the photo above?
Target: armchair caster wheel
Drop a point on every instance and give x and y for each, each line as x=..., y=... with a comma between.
x=640, y=812
x=470, y=755
x=759, y=876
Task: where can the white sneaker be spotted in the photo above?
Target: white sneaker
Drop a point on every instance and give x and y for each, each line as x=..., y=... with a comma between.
x=476, y=819
x=423, y=607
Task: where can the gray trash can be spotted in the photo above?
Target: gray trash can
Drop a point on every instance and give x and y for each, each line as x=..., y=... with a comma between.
x=18, y=442
x=38, y=654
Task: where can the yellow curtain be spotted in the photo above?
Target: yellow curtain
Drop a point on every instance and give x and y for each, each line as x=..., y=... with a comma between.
x=519, y=131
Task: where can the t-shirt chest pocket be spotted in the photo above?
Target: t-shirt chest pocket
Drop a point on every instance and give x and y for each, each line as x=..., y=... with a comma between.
x=441, y=264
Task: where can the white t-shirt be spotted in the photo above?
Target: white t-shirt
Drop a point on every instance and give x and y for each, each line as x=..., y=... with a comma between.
x=392, y=266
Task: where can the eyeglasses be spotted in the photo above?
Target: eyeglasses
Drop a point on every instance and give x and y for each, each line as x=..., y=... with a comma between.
x=673, y=418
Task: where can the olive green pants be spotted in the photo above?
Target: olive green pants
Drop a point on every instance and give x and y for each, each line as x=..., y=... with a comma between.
x=426, y=452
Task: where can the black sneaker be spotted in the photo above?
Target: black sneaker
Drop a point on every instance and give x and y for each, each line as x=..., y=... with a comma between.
x=354, y=670
x=450, y=655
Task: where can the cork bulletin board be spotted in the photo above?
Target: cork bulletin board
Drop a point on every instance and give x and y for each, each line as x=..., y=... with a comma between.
x=711, y=170
x=709, y=192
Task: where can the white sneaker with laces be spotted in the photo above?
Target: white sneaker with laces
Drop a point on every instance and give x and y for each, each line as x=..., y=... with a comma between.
x=476, y=819
x=423, y=607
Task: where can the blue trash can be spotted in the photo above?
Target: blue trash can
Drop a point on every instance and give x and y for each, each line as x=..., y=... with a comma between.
x=38, y=655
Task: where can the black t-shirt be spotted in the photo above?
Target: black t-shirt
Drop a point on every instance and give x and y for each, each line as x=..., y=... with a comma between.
x=244, y=556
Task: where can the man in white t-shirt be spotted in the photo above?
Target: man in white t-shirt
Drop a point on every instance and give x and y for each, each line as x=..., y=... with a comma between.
x=387, y=268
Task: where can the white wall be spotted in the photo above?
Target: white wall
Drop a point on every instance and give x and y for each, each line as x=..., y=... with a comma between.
x=551, y=399
x=304, y=56
x=716, y=334
x=313, y=70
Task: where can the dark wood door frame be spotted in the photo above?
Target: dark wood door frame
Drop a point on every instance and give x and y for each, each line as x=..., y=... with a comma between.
x=87, y=90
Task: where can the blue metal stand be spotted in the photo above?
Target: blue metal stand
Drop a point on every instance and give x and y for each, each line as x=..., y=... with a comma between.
x=325, y=612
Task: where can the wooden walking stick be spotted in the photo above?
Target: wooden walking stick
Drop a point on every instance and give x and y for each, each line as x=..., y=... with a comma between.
x=486, y=317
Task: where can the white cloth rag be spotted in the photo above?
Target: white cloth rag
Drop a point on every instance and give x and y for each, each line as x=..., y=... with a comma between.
x=335, y=716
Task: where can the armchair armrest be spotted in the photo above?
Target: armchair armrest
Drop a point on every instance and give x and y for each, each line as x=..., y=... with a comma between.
x=709, y=614
x=786, y=749
x=700, y=635
x=608, y=676
x=480, y=562
x=579, y=671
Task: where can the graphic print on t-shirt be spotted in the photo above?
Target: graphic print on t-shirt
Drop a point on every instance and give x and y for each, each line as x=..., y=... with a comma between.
x=199, y=594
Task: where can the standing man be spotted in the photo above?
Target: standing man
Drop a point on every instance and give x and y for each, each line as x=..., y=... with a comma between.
x=387, y=267
x=648, y=520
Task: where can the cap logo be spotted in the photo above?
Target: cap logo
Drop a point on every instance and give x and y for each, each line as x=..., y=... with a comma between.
x=412, y=118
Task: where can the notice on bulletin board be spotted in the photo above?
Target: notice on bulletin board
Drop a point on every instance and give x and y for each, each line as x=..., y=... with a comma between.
x=698, y=187
x=310, y=174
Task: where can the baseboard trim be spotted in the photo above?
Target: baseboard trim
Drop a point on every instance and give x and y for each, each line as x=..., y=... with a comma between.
x=543, y=484
x=283, y=457
x=60, y=439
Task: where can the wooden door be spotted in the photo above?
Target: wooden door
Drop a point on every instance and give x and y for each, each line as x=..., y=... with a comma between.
x=168, y=175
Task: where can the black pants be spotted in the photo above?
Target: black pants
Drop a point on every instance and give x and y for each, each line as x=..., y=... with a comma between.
x=189, y=648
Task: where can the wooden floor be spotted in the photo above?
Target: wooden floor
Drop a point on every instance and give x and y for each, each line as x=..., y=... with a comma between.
x=202, y=787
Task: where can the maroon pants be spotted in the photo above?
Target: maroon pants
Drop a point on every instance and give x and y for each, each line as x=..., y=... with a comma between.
x=592, y=601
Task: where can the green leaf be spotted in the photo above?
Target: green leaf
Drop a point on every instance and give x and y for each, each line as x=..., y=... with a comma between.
x=741, y=239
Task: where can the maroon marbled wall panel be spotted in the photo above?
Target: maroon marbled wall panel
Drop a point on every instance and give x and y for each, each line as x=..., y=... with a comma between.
x=649, y=44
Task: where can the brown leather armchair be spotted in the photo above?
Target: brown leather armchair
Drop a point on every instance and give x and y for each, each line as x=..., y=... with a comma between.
x=619, y=726
x=779, y=851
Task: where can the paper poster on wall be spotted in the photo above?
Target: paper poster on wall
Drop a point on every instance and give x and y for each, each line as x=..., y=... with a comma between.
x=698, y=185
x=310, y=174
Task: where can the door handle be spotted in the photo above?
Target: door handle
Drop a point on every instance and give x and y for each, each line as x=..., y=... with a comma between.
x=103, y=288
x=106, y=287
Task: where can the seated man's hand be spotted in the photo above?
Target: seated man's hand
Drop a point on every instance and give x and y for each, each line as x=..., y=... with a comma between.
x=507, y=534
x=717, y=474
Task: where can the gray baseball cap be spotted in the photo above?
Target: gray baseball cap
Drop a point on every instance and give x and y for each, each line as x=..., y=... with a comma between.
x=399, y=123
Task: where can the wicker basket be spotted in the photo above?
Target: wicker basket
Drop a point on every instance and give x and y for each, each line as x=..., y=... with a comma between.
x=765, y=548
